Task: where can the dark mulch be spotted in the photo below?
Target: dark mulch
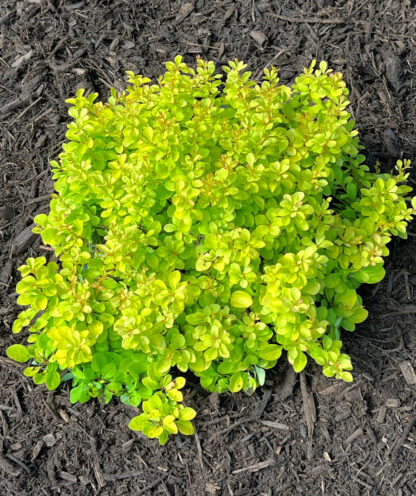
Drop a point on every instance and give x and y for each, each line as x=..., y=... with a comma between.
x=362, y=439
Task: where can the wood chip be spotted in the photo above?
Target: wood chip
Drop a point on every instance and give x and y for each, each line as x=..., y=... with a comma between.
x=23, y=58
x=408, y=372
x=68, y=477
x=6, y=273
x=228, y=13
x=381, y=414
x=391, y=143
x=404, y=435
x=355, y=435
x=330, y=389
x=327, y=457
x=36, y=450
x=261, y=405
x=124, y=475
x=98, y=473
x=256, y=467
x=393, y=70
x=96, y=465
x=49, y=440
x=184, y=12
x=343, y=415
x=214, y=401
x=259, y=37
x=393, y=403
x=275, y=425
x=212, y=488
x=309, y=20
x=63, y=415
x=23, y=240
x=7, y=467
x=127, y=445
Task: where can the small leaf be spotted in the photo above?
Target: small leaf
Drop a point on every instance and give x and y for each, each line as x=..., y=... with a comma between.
x=261, y=375
x=346, y=376
x=187, y=413
x=352, y=191
x=53, y=379
x=271, y=352
x=75, y=394
x=169, y=424
x=18, y=352
x=300, y=362
x=174, y=278
x=236, y=382
x=148, y=133
x=185, y=427
x=241, y=299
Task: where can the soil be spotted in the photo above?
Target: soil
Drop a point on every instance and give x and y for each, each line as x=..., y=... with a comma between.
x=297, y=435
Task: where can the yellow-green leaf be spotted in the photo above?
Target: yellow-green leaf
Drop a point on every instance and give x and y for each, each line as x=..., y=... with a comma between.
x=241, y=299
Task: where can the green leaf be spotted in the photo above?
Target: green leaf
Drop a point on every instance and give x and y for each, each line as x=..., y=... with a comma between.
x=174, y=278
x=169, y=424
x=332, y=281
x=346, y=376
x=261, y=375
x=187, y=413
x=169, y=228
x=352, y=191
x=300, y=362
x=18, y=352
x=348, y=298
x=236, y=382
x=271, y=352
x=202, y=264
x=75, y=394
x=53, y=379
x=241, y=299
x=137, y=423
x=148, y=133
x=185, y=427
x=360, y=315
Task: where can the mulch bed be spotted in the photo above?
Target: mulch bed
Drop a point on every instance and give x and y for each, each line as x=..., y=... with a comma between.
x=297, y=435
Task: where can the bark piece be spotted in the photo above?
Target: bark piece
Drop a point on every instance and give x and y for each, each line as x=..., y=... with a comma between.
x=408, y=372
x=23, y=240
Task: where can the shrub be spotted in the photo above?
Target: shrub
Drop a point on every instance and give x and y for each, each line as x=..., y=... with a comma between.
x=205, y=227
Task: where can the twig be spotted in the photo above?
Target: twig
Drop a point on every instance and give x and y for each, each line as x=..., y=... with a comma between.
x=150, y=486
x=26, y=110
x=317, y=20
x=403, y=437
x=278, y=54
x=230, y=428
x=124, y=475
x=39, y=199
x=19, y=462
x=275, y=425
x=199, y=449
x=255, y=467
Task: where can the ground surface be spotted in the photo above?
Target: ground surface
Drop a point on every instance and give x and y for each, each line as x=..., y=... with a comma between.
x=363, y=439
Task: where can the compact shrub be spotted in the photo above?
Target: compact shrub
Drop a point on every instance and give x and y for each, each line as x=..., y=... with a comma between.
x=204, y=226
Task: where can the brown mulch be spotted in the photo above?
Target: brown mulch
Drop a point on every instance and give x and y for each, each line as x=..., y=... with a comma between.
x=307, y=435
